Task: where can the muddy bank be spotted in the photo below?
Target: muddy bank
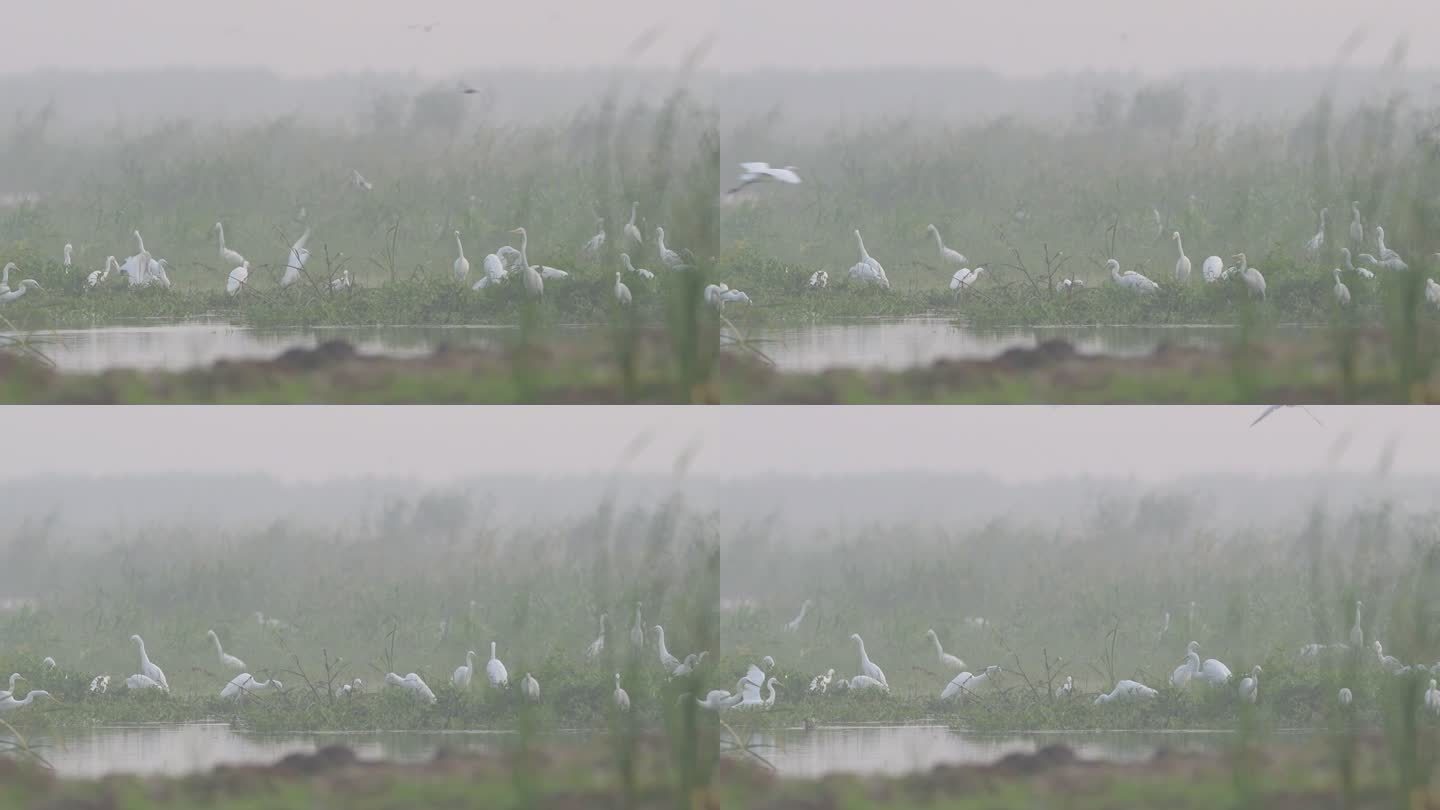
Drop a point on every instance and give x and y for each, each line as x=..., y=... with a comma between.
x=653, y=369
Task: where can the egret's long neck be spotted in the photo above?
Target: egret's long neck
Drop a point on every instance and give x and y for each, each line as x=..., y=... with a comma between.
x=459, y=246
x=939, y=243
x=6, y=278
x=220, y=230
x=660, y=239
x=861, y=644
x=628, y=265
x=492, y=649
x=140, y=241
x=1180, y=246
x=939, y=651
x=635, y=206
x=144, y=659
x=218, y=649
x=804, y=606
x=863, y=256
x=524, y=244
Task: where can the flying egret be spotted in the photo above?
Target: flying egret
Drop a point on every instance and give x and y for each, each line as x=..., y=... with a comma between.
x=1317, y=242
x=1126, y=690
x=530, y=688
x=946, y=659
x=954, y=258
x=668, y=257
x=1182, y=264
x=622, y=292
x=464, y=673
x=147, y=667
x=238, y=278
x=295, y=260
x=1130, y=279
x=226, y=254
x=413, y=684
x=1180, y=678
x=1212, y=270
x=667, y=660
x=19, y=290
x=598, y=645
x=1357, y=228
x=819, y=280
x=1250, y=275
x=226, y=659
x=596, y=243
x=69, y=250
x=965, y=278
x=868, y=667
x=495, y=670
x=10, y=704
x=631, y=231
x=1250, y=686
x=620, y=696
x=820, y=683
x=359, y=180
x=639, y=271
x=757, y=172
x=967, y=683
x=1357, y=633
x=793, y=625
x=637, y=630
x=462, y=264
x=1342, y=293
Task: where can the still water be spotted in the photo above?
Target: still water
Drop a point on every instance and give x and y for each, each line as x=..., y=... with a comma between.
x=862, y=344
x=180, y=749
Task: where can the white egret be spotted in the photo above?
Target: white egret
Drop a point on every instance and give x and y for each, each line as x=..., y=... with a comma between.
x=534, y=283
x=69, y=250
x=97, y=277
x=667, y=660
x=495, y=670
x=464, y=673
x=1432, y=292
x=359, y=180
x=620, y=696
x=351, y=689
x=1389, y=663
x=19, y=290
x=226, y=659
x=1350, y=265
x=1357, y=228
x=868, y=667
x=493, y=272
x=750, y=691
x=5, y=276
x=1214, y=672
x=1180, y=678
x=238, y=278
x=860, y=682
x=1130, y=279
x=967, y=683
x=413, y=684
x=1250, y=686
x=10, y=704
x=147, y=667
x=1384, y=253
x=639, y=271
x=820, y=683
x=1182, y=264
x=1067, y=285
x=1066, y=689
x=733, y=296
x=712, y=293
x=14, y=676
x=245, y=685
x=226, y=254
x=668, y=257
x=1345, y=697
x=622, y=292
x=530, y=688
x=511, y=258
x=1250, y=275
x=946, y=659
x=1432, y=698
x=461, y=267
x=793, y=626
x=138, y=682
x=598, y=645
x=717, y=699
x=551, y=274
x=631, y=231
x=758, y=172
x=592, y=248
x=1212, y=270
x=686, y=667
x=343, y=282
x=1342, y=293
x=965, y=278
x=767, y=662
x=1126, y=690
x=1357, y=634
x=49, y=663
x=868, y=269
x=142, y=262
x=1317, y=242
x=819, y=280
x=637, y=630
x=295, y=260
x=100, y=684
x=954, y=258
x=1159, y=222
x=769, y=702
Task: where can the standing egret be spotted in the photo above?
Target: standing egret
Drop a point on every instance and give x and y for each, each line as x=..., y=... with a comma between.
x=637, y=630
x=631, y=231
x=238, y=278
x=598, y=645
x=1357, y=634
x=148, y=668
x=1342, y=293
x=137, y=682
x=1250, y=686
x=621, y=698
x=343, y=282
x=793, y=626
x=1127, y=690
x=965, y=278
x=668, y=257
x=244, y=685
x=687, y=666
x=1357, y=229
x=534, y=284
x=731, y=296
x=819, y=280
x=69, y=250
x=495, y=670
x=868, y=668
x=96, y=276
x=1432, y=698
x=1182, y=264
x=1432, y=292
x=5, y=276
x=670, y=662
x=820, y=683
x=946, y=659
x=1251, y=276
x=868, y=269
x=1350, y=265
x=1180, y=678
x=717, y=699
x=1317, y=242
x=1345, y=697
x=11, y=704
x=1385, y=253
x=769, y=702
x=464, y=673
x=1214, y=672
x=592, y=248
x=295, y=260
x=226, y=660
x=1066, y=689
x=14, y=676
x=462, y=264
x=866, y=682
x=1130, y=279
x=622, y=292
x=966, y=683
x=639, y=271
x=758, y=172
x=954, y=258
x=1389, y=663
x=530, y=689
x=1212, y=270
x=19, y=290
x=413, y=684
x=226, y=254
x=142, y=262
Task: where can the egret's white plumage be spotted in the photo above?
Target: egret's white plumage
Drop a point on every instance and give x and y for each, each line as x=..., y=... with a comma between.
x=464, y=673
x=1250, y=275
x=461, y=267
x=946, y=659
x=668, y=661
x=530, y=688
x=244, y=685
x=949, y=256
x=238, y=278
x=1342, y=293
x=622, y=292
x=620, y=696
x=1212, y=269
x=668, y=257
x=868, y=270
x=632, y=232
x=14, y=676
x=1182, y=264
x=147, y=667
x=860, y=682
x=227, y=255
x=495, y=670
x=1317, y=242
x=639, y=271
x=967, y=684
x=1130, y=279
x=1250, y=686
x=820, y=683
x=637, y=630
x=793, y=625
x=1357, y=228
x=69, y=251
x=1066, y=689
x=10, y=704
x=19, y=291
x=598, y=645
x=295, y=260
x=596, y=243
x=1357, y=633
x=759, y=172
x=867, y=667
x=1180, y=678
x=226, y=660
x=413, y=684
x=965, y=278
x=1127, y=690
x=138, y=682
x=1432, y=698
x=1345, y=697
x=534, y=283
x=819, y=280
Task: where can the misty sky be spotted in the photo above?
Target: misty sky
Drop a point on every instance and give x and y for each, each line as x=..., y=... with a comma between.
x=1017, y=443
x=1020, y=38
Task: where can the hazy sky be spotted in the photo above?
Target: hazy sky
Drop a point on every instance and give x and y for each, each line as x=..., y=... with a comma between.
x=1023, y=37
x=1011, y=442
